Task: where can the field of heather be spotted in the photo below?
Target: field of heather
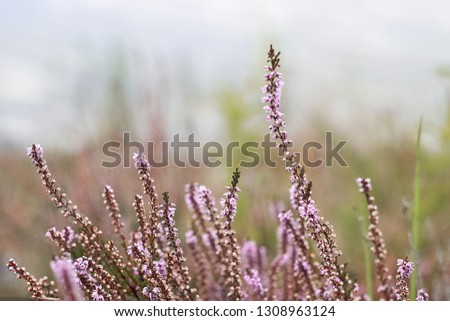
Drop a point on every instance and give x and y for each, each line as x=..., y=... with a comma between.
x=173, y=173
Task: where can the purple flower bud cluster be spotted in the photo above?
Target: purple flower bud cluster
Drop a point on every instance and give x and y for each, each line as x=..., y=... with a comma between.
x=190, y=237
x=63, y=238
x=192, y=197
x=422, y=295
x=272, y=91
x=67, y=279
x=255, y=283
x=140, y=161
x=229, y=203
x=153, y=294
x=310, y=214
x=97, y=293
x=285, y=217
x=161, y=267
x=137, y=249
x=364, y=184
x=36, y=153
x=81, y=265
x=405, y=268
x=206, y=199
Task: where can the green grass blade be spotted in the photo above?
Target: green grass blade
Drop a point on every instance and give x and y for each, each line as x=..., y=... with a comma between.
x=416, y=215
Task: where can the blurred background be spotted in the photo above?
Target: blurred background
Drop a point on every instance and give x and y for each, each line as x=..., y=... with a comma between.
x=76, y=75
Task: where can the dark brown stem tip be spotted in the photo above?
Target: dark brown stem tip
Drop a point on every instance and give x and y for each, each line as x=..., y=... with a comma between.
x=166, y=197
x=236, y=176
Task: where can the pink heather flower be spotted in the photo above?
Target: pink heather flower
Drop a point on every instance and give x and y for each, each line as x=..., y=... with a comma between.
x=364, y=184
x=97, y=294
x=153, y=295
x=210, y=240
x=249, y=252
x=272, y=91
x=81, y=265
x=229, y=203
x=50, y=232
x=140, y=161
x=276, y=208
x=254, y=281
x=301, y=265
x=161, y=266
x=68, y=234
x=422, y=295
x=205, y=198
x=191, y=197
x=293, y=196
x=139, y=248
x=67, y=279
x=36, y=153
x=282, y=238
x=285, y=217
x=310, y=213
x=405, y=268
x=190, y=237
x=136, y=270
x=284, y=259
x=170, y=216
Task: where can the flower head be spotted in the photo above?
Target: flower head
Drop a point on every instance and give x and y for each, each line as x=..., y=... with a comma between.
x=254, y=281
x=153, y=295
x=190, y=237
x=405, y=268
x=422, y=295
x=140, y=161
x=364, y=184
x=67, y=279
x=36, y=153
x=97, y=293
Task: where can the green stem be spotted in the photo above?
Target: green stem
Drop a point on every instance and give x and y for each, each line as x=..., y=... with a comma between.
x=416, y=216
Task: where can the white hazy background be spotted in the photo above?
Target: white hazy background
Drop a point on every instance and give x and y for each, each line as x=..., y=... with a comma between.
x=350, y=62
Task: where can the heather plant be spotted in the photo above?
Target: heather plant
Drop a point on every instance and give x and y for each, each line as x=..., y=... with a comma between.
x=151, y=264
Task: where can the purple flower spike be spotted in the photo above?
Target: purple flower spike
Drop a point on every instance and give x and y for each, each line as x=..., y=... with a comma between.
x=36, y=153
x=97, y=294
x=422, y=295
x=364, y=184
x=67, y=279
x=405, y=268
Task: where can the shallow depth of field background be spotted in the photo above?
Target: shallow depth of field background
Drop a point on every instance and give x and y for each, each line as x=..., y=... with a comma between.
x=75, y=76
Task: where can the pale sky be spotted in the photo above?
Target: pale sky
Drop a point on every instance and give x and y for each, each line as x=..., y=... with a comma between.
x=349, y=57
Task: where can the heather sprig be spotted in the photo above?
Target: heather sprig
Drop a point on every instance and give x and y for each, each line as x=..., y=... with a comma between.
x=67, y=280
x=319, y=230
x=222, y=251
x=201, y=268
x=114, y=213
x=143, y=167
x=34, y=286
x=175, y=256
x=229, y=208
x=375, y=236
x=404, y=271
x=422, y=295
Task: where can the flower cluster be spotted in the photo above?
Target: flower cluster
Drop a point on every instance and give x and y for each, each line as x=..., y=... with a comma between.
x=148, y=262
x=422, y=295
x=375, y=236
x=404, y=270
